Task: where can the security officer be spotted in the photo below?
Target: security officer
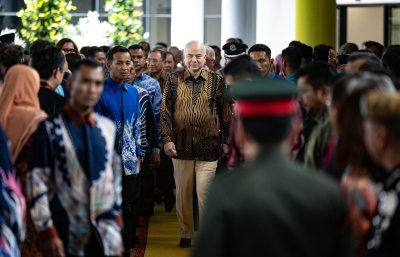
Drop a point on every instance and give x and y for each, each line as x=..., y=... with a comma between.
x=272, y=206
x=382, y=140
x=232, y=50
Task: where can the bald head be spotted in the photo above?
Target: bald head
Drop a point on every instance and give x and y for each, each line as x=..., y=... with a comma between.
x=195, y=57
x=195, y=44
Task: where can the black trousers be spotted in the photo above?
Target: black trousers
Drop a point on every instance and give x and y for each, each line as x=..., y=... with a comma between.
x=128, y=190
x=147, y=185
x=165, y=178
x=93, y=248
x=141, y=187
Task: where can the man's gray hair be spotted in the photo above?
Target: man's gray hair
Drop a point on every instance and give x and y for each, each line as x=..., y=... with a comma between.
x=210, y=50
x=197, y=43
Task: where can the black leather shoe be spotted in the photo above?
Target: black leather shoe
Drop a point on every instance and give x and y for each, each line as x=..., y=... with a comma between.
x=185, y=243
x=169, y=206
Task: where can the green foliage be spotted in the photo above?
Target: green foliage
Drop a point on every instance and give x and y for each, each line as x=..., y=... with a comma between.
x=125, y=18
x=44, y=19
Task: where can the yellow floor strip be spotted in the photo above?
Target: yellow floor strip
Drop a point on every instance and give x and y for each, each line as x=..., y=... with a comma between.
x=163, y=236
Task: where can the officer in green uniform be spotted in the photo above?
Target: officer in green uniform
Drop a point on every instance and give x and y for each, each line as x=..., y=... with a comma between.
x=272, y=206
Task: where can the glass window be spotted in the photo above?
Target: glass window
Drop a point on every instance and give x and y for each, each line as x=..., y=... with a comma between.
x=159, y=6
x=11, y=5
x=212, y=31
x=160, y=31
x=212, y=7
x=394, y=26
x=82, y=6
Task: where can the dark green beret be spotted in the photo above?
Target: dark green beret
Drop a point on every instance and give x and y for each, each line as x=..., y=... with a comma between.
x=264, y=88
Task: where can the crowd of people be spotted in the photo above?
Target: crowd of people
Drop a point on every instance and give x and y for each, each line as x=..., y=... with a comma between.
x=304, y=146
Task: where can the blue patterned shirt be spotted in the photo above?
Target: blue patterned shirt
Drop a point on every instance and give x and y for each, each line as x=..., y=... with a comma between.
x=74, y=182
x=120, y=103
x=154, y=90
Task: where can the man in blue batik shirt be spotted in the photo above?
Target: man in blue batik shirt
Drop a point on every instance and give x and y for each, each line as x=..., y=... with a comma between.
x=120, y=103
x=145, y=81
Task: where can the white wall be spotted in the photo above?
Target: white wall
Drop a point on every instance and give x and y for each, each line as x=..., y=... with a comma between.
x=365, y=23
x=276, y=24
x=187, y=21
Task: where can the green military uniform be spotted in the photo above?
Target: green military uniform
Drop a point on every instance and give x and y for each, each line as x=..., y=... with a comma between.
x=316, y=146
x=272, y=206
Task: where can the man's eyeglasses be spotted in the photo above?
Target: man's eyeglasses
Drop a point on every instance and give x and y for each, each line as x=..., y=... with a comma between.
x=67, y=51
x=155, y=61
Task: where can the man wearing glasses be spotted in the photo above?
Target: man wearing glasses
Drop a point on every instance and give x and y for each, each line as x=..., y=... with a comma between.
x=210, y=58
x=156, y=62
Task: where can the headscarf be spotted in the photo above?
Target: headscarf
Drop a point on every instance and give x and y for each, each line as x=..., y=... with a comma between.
x=20, y=111
x=277, y=63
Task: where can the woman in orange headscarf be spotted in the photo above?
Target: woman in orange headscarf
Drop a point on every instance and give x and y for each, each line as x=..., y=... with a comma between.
x=20, y=114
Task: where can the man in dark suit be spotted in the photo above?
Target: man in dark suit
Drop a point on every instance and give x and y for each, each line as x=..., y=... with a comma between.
x=272, y=206
x=49, y=63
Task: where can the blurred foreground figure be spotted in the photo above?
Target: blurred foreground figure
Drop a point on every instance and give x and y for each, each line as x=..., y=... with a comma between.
x=272, y=206
x=12, y=203
x=382, y=129
x=74, y=183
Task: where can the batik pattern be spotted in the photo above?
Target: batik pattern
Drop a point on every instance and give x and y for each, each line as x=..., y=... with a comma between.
x=87, y=203
x=192, y=112
x=154, y=90
x=12, y=204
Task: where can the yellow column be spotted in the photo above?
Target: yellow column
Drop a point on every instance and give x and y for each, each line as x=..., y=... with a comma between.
x=316, y=22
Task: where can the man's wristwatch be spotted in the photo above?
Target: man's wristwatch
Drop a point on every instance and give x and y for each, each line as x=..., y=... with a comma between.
x=156, y=150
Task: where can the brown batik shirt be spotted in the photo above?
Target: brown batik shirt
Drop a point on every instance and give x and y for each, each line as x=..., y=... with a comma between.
x=161, y=80
x=190, y=112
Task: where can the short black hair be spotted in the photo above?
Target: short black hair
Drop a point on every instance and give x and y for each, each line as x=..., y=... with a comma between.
x=11, y=55
x=321, y=53
x=162, y=44
x=216, y=48
x=72, y=59
x=85, y=62
x=116, y=49
x=294, y=43
x=46, y=60
x=84, y=50
x=242, y=67
x=391, y=60
x=162, y=53
x=136, y=47
x=348, y=48
x=268, y=131
x=375, y=47
x=293, y=56
x=394, y=48
x=92, y=51
x=105, y=48
x=39, y=45
x=260, y=47
x=318, y=74
x=365, y=55
x=146, y=43
x=338, y=87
